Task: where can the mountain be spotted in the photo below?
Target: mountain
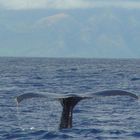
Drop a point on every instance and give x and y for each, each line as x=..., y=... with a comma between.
x=106, y=32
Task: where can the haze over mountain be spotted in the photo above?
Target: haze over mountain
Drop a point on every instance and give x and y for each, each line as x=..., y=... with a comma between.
x=100, y=32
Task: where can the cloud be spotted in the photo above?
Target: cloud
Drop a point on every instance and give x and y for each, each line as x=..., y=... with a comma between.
x=50, y=20
x=42, y=4
x=66, y=4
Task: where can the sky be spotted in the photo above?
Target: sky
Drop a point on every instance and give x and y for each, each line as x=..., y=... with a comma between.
x=66, y=4
x=70, y=28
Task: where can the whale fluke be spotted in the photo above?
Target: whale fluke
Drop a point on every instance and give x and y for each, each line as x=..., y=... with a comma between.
x=115, y=93
x=68, y=102
x=28, y=96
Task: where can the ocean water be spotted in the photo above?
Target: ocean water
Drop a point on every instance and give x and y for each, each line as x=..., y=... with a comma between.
x=107, y=118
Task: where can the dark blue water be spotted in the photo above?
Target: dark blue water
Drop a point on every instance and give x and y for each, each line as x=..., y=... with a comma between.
x=109, y=118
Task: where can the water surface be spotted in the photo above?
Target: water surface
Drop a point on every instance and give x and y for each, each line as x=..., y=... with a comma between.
x=108, y=118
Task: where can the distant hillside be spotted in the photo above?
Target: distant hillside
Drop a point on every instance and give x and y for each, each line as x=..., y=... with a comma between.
x=73, y=33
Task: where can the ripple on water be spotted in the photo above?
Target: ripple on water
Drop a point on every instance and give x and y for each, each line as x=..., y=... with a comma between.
x=56, y=135
x=135, y=79
x=135, y=134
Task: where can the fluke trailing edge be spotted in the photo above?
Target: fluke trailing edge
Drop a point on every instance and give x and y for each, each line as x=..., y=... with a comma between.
x=69, y=102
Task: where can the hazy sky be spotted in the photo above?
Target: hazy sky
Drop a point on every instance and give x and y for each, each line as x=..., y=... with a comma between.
x=70, y=28
x=66, y=4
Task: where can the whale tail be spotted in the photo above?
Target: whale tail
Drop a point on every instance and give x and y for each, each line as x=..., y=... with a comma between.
x=28, y=96
x=69, y=102
x=68, y=105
